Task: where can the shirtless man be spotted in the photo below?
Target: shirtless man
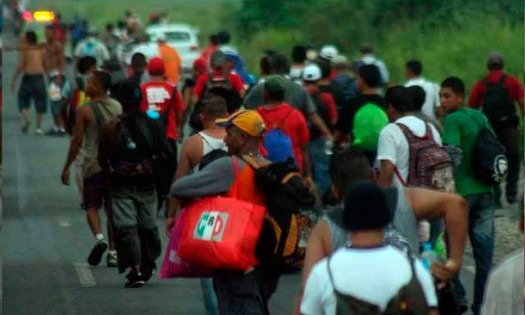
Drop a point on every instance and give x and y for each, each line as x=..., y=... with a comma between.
x=33, y=86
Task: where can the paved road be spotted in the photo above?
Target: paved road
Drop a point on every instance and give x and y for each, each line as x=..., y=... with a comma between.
x=45, y=241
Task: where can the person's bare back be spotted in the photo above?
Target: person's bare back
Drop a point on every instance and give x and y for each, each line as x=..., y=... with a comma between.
x=33, y=61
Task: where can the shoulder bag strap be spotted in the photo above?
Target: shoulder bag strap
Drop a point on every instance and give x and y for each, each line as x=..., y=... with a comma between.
x=329, y=259
x=99, y=118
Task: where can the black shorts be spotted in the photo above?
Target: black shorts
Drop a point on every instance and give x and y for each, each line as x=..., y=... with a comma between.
x=33, y=88
x=96, y=192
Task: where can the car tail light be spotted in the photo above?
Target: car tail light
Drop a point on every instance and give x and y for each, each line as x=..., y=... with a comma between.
x=27, y=15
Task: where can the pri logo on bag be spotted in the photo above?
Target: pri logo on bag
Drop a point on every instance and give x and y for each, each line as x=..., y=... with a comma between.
x=211, y=226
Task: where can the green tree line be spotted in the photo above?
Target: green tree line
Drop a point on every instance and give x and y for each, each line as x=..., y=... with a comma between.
x=449, y=36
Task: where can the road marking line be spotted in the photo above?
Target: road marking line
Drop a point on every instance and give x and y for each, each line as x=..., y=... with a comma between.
x=84, y=275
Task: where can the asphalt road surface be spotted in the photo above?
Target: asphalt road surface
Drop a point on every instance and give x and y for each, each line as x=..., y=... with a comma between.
x=46, y=240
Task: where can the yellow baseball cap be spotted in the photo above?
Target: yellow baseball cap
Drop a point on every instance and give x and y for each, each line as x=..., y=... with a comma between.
x=248, y=121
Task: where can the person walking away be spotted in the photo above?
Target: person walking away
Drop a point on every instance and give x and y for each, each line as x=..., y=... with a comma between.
x=368, y=58
x=210, y=139
x=237, y=292
x=91, y=46
x=128, y=149
x=368, y=274
x=235, y=64
x=497, y=95
x=162, y=101
x=200, y=66
x=73, y=96
x=298, y=63
x=84, y=143
x=418, y=96
x=462, y=127
x=111, y=41
x=32, y=66
x=218, y=82
x=343, y=84
x=139, y=67
x=407, y=205
x=295, y=95
x=414, y=75
x=394, y=147
x=327, y=110
x=399, y=148
x=281, y=117
x=57, y=82
x=55, y=65
x=171, y=58
x=210, y=49
x=363, y=131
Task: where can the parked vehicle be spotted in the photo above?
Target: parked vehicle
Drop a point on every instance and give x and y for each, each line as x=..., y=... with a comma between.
x=180, y=36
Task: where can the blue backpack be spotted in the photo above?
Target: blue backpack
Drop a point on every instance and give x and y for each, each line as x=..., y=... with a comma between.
x=278, y=143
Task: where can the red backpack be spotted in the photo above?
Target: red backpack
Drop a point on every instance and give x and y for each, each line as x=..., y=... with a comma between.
x=430, y=166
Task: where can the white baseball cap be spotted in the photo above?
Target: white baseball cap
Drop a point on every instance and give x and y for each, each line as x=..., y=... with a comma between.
x=311, y=72
x=328, y=52
x=161, y=38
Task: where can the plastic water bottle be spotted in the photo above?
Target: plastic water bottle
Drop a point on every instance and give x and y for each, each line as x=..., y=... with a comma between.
x=130, y=143
x=441, y=247
x=428, y=255
x=328, y=147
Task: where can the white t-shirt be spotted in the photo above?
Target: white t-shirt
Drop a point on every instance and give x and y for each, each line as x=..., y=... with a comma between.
x=393, y=145
x=94, y=48
x=431, y=95
x=372, y=275
x=373, y=60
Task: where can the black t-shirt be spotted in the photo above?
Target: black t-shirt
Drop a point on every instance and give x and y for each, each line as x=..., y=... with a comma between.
x=346, y=116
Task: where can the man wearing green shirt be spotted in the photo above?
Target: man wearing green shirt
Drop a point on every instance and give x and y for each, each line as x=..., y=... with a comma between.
x=461, y=129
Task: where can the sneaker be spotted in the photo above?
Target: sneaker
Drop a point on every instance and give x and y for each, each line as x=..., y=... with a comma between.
x=111, y=260
x=96, y=253
x=25, y=126
x=148, y=270
x=39, y=132
x=135, y=280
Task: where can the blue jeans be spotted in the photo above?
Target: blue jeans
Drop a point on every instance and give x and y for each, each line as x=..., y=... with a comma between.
x=320, y=165
x=208, y=295
x=481, y=234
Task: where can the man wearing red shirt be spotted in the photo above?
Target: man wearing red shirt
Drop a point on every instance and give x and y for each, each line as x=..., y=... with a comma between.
x=278, y=114
x=508, y=130
x=161, y=100
x=217, y=63
x=212, y=47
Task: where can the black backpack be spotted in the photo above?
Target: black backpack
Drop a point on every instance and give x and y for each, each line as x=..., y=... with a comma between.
x=289, y=215
x=215, y=86
x=134, y=150
x=409, y=300
x=497, y=105
x=488, y=157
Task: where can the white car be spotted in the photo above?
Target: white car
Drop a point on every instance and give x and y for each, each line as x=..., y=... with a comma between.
x=180, y=36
